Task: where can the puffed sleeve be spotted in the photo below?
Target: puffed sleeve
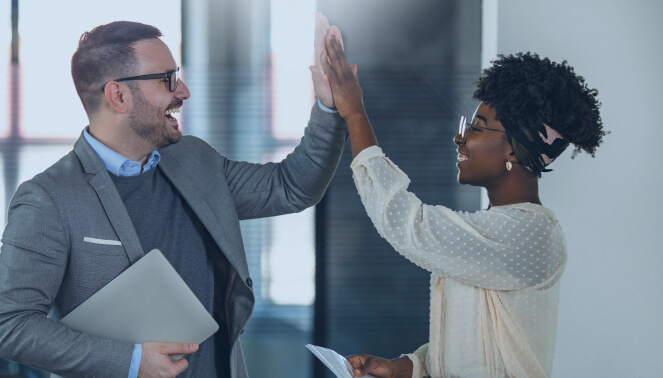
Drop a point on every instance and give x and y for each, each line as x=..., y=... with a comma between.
x=418, y=358
x=504, y=248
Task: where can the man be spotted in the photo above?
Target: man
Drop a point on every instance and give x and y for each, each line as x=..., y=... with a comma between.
x=133, y=183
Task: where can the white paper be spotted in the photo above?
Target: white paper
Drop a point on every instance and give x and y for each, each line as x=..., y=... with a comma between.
x=338, y=364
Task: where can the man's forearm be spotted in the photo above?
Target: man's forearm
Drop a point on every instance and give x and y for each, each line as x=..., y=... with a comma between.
x=28, y=337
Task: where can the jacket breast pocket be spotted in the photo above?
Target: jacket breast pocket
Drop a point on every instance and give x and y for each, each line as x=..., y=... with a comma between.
x=94, y=264
x=103, y=246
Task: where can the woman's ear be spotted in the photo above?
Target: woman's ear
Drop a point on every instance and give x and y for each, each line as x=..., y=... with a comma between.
x=512, y=157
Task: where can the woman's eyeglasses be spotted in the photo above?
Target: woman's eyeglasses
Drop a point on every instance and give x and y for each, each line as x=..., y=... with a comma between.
x=465, y=128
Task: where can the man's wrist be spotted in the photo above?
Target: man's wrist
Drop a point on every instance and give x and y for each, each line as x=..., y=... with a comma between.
x=326, y=109
x=135, y=361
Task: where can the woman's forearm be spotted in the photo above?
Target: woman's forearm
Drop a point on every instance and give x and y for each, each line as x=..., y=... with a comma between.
x=361, y=132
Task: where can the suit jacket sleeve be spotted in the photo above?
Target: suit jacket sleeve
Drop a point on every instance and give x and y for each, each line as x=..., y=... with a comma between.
x=297, y=182
x=33, y=262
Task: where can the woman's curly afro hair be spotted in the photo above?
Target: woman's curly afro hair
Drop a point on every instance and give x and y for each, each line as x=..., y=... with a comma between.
x=527, y=91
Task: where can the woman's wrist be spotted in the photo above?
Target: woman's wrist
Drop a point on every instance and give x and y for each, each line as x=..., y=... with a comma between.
x=355, y=117
x=402, y=367
x=360, y=132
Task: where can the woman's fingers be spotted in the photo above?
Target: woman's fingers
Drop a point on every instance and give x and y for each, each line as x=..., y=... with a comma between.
x=357, y=363
x=357, y=360
x=337, y=58
x=337, y=33
x=366, y=364
x=342, y=79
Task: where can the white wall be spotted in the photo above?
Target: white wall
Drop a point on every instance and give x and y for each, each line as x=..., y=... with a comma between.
x=611, y=310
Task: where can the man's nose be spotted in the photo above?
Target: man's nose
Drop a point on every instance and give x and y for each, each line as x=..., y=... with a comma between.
x=182, y=91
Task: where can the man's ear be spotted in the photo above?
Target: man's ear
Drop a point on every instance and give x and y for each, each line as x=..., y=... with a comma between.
x=118, y=97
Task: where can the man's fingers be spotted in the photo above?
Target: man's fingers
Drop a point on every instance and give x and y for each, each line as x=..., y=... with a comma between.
x=179, y=348
x=326, y=64
x=315, y=71
x=180, y=365
x=321, y=23
x=354, y=71
x=318, y=73
x=321, y=28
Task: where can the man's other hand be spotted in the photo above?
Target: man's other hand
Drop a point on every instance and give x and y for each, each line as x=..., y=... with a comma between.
x=320, y=82
x=155, y=361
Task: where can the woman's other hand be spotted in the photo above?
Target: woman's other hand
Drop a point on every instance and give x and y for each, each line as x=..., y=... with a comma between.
x=379, y=367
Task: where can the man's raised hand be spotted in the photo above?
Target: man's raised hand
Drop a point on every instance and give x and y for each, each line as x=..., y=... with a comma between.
x=320, y=81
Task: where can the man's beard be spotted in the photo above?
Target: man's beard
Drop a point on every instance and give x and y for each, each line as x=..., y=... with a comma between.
x=150, y=123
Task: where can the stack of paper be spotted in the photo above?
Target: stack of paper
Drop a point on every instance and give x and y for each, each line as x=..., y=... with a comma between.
x=334, y=361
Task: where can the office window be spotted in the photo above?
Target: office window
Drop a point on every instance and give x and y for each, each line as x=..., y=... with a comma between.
x=5, y=51
x=50, y=106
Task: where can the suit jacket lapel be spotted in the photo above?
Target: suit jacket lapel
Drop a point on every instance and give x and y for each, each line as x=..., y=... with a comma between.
x=110, y=199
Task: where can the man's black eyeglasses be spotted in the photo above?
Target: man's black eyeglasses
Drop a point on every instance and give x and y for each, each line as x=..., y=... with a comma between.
x=172, y=76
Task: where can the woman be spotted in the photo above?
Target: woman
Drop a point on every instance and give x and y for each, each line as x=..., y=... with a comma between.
x=494, y=273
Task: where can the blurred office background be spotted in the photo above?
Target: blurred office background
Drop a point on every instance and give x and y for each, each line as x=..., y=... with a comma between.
x=324, y=276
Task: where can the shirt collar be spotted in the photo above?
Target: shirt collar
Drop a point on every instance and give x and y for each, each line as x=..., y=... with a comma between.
x=118, y=164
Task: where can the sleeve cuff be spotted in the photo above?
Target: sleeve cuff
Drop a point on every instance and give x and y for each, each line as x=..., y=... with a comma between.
x=417, y=370
x=365, y=155
x=135, y=361
x=326, y=109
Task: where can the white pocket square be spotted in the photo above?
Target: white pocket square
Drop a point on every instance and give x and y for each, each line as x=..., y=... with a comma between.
x=102, y=241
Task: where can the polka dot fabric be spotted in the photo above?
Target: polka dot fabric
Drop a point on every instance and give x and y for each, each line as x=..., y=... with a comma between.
x=494, y=275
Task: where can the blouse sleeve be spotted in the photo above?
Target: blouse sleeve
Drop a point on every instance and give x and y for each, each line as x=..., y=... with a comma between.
x=505, y=248
x=418, y=359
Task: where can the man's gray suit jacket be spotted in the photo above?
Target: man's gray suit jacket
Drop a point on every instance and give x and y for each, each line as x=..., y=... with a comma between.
x=47, y=266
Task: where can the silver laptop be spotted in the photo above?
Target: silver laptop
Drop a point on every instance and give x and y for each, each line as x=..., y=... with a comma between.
x=149, y=301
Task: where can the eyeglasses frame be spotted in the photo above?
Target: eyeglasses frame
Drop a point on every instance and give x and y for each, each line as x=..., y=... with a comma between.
x=464, y=126
x=164, y=75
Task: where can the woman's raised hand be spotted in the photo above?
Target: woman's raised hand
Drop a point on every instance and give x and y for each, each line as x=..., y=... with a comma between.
x=342, y=77
x=347, y=94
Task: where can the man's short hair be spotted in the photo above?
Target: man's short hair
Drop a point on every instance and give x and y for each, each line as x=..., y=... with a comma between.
x=106, y=53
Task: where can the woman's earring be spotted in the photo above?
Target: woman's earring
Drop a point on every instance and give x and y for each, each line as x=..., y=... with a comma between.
x=508, y=165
